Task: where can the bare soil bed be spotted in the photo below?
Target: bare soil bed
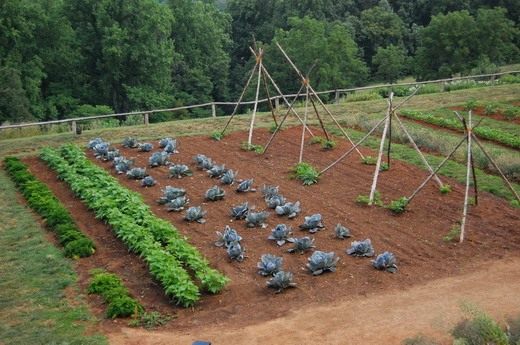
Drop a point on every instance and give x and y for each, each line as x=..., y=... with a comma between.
x=415, y=237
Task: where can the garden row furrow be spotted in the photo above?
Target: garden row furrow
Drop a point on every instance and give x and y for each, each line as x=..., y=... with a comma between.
x=482, y=131
x=56, y=216
x=134, y=223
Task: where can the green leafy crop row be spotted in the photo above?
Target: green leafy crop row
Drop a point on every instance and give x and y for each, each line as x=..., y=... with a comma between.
x=56, y=216
x=168, y=254
x=482, y=131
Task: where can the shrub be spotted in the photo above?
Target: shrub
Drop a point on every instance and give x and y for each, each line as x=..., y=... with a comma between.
x=471, y=104
x=123, y=306
x=306, y=173
x=398, y=206
x=79, y=248
x=363, y=96
x=110, y=287
x=480, y=330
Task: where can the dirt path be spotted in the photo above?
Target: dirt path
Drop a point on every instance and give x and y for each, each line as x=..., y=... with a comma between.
x=387, y=318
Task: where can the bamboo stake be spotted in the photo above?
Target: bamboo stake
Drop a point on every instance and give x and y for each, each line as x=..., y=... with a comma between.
x=240, y=98
x=414, y=145
x=435, y=171
x=305, y=122
x=509, y=185
x=289, y=105
x=283, y=120
x=268, y=96
x=343, y=156
x=468, y=173
x=379, y=157
x=391, y=114
x=255, y=107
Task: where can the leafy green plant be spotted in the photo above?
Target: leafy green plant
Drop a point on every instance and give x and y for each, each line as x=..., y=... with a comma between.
x=306, y=173
x=369, y=160
x=160, y=245
x=150, y=320
x=453, y=234
x=490, y=108
x=365, y=199
x=328, y=144
x=217, y=135
x=512, y=113
x=515, y=203
x=56, y=216
x=471, y=104
x=398, y=206
x=116, y=296
x=445, y=189
x=252, y=147
x=273, y=128
x=317, y=140
x=479, y=328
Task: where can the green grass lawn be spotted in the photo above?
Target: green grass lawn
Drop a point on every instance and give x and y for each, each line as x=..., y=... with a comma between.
x=34, y=276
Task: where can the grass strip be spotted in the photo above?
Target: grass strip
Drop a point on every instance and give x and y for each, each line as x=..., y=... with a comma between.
x=36, y=280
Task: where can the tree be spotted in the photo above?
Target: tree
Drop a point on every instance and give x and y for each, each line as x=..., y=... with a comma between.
x=328, y=46
x=202, y=41
x=389, y=63
x=378, y=27
x=127, y=50
x=458, y=42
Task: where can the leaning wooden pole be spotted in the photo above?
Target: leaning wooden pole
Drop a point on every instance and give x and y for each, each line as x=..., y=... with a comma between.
x=305, y=123
x=433, y=173
x=349, y=151
x=319, y=119
x=390, y=116
x=508, y=184
x=268, y=96
x=287, y=103
x=379, y=158
x=240, y=98
x=283, y=120
x=313, y=92
x=255, y=106
x=414, y=145
x=468, y=176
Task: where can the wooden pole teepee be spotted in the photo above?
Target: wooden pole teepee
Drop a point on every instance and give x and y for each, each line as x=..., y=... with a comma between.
x=469, y=138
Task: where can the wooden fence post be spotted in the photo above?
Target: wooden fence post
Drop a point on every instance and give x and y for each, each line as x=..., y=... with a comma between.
x=213, y=110
x=146, y=119
x=336, y=96
x=74, y=127
x=277, y=103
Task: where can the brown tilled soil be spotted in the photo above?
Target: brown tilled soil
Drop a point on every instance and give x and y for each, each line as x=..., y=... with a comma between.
x=414, y=237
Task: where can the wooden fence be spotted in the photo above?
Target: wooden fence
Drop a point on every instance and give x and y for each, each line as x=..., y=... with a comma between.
x=213, y=105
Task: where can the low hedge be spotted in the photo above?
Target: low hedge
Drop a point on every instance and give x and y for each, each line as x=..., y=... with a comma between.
x=41, y=199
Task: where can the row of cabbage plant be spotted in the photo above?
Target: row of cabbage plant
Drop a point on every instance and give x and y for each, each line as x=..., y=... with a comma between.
x=57, y=217
x=167, y=253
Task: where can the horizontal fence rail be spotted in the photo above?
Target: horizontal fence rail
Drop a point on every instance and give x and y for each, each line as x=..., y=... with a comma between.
x=337, y=92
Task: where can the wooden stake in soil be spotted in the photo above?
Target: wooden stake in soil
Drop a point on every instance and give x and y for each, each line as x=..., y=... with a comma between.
x=305, y=122
x=255, y=107
x=468, y=173
x=380, y=155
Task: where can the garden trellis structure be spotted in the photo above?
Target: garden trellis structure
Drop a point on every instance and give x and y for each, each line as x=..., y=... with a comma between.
x=263, y=75
x=469, y=138
x=387, y=134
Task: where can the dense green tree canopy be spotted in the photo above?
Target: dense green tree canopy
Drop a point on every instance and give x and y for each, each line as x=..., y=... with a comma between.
x=77, y=57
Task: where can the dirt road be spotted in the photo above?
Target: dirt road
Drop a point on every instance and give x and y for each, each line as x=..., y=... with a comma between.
x=386, y=318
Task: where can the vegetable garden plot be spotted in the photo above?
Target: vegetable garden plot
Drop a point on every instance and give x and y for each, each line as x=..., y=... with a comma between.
x=414, y=237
